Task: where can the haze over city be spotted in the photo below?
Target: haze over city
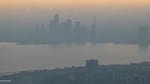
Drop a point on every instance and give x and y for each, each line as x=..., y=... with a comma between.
x=30, y=12
x=118, y=25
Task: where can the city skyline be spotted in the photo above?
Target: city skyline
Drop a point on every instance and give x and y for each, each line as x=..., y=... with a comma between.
x=41, y=34
x=74, y=31
x=29, y=12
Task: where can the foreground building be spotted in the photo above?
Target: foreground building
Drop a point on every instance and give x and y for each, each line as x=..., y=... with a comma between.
x=92, y=73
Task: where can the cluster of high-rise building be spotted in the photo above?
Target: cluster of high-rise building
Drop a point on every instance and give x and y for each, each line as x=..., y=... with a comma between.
x=69, y=32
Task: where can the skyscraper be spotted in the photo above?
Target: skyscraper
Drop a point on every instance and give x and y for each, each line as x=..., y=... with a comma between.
x=54, y=25
x=77, y=25
x=69, y=25
x=144, y=36
x=94, y=26
x=42, y=27
x=92, y=65
x=93, y=30
x=56, y=19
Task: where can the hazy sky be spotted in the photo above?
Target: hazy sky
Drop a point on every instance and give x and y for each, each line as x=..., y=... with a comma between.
x=23, y=13
x=41, y=11
x=11, y=5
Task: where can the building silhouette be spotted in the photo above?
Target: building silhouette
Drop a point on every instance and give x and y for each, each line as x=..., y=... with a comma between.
x=77, y=24
x=69, y=25
x=92, y=73
x=92, y=65
x=93, y=30
x=75, y=32
x=56, y=19
x=144, y=36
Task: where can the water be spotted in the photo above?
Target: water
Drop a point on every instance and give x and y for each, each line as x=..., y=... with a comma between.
x=29, y=57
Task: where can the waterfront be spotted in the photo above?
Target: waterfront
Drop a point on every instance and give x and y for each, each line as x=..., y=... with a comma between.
x=30, y=57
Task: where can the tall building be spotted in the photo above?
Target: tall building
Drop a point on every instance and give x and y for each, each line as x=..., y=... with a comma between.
x=143, y=36
x=94, y=26
x=42, y=27
x=93, y=30
x=77, y=24
x=56, y=19
x=54, y=25
x=92, y=65
x=69, y=25
x=37, y=28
